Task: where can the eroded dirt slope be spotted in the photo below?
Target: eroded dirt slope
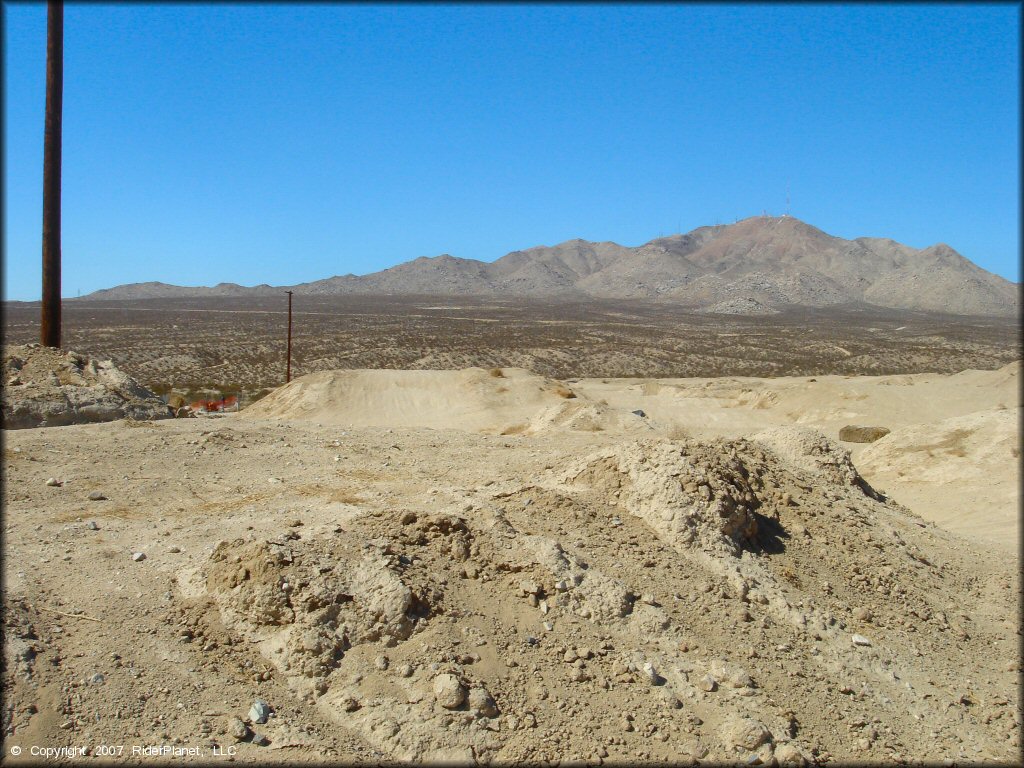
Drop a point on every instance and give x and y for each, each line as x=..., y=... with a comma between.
x=46, y=387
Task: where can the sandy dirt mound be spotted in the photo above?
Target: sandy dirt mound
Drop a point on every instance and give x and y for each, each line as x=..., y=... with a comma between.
x=46, y=387
x=978, y=455
x=813, y=452
x=582, y=415
x=495, y=401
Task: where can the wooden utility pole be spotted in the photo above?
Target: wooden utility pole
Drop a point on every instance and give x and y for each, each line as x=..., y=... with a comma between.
x=288, y=373
x=50, y=325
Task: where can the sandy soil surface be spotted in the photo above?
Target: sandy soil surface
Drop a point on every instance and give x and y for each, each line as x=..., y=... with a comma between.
x=492, y=566
x=953, y=454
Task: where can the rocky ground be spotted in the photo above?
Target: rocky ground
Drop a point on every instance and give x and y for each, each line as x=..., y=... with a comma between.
x=46, y=387
x=420, y=594
x=490, y=566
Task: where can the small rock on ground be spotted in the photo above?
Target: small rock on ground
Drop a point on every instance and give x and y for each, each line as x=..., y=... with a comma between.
x=259, y=711
x=449, y=692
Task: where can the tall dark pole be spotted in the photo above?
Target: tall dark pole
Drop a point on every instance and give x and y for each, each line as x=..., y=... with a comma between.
x=288, y=374
x=50, y=325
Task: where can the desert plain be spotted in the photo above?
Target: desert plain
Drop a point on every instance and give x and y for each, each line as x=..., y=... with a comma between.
x=493, y=533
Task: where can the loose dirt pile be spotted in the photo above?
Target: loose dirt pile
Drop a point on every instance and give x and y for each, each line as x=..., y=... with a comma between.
x=46, y=387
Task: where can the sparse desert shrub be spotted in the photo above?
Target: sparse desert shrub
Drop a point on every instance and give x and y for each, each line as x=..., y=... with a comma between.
x=176, y=400
x=214, y=351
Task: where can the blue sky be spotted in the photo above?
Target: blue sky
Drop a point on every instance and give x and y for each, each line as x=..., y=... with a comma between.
x=288, y=143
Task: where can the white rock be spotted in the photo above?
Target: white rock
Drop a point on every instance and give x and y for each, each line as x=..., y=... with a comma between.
x=529, y=587
x=138, y=557
x=449, y=692
x=788, y=754
x=650, y=674
x=731, y=674
x=860, y=640
x=707, y=683
x=259, y=711
x=744, y=732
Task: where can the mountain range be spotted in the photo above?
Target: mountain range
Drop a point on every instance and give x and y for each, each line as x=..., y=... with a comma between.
x=758, y=265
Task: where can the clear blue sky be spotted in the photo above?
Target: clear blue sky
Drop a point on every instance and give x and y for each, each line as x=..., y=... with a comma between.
x=287, y=143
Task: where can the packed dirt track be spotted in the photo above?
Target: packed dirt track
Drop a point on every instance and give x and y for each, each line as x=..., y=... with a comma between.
x=489, y=566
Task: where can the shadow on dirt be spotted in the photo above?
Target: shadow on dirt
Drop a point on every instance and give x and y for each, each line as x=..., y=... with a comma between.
x=770, y=537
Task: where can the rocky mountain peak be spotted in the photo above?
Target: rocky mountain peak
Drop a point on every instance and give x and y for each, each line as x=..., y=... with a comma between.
x=767, y=261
